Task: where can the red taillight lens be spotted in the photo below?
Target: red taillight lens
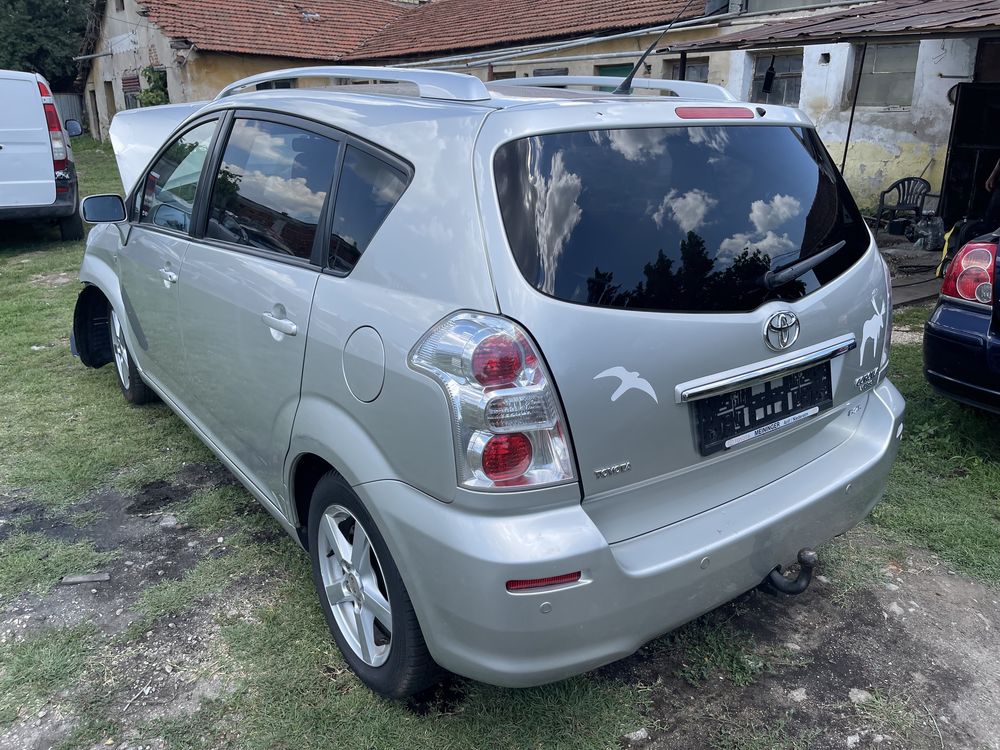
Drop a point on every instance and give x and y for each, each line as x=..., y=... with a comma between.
x=971, y=275
x=538, y=583
x=506, y=457
x=56, y=138
x=497, y=360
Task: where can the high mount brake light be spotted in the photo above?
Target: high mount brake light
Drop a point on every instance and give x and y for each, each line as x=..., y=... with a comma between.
x=56, y=138
x=508, y=428
x=714, y=113
x=972, y=274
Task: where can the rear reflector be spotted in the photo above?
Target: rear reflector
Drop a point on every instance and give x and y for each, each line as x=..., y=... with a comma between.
x=714, y=113
x=538, y=583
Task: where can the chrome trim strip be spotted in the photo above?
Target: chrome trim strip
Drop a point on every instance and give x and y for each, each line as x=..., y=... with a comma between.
x=770, y=372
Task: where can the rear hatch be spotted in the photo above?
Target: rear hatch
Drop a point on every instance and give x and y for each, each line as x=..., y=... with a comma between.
x=636, y=256
x=26, y=173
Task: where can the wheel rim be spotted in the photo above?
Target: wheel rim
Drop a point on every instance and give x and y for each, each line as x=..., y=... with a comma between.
x=121, y=353
x=355, y=585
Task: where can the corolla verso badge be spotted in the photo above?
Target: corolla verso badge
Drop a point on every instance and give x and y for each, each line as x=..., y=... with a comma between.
x=781, y=330
x=630, y=381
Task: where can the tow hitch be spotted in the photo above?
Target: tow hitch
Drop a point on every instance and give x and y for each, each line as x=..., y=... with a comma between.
x=776, y=581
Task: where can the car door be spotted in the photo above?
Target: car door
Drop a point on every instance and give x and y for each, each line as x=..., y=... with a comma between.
x=149, y=263
x=247, y=288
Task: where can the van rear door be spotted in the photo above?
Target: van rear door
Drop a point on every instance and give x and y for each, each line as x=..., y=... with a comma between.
x=26, y=174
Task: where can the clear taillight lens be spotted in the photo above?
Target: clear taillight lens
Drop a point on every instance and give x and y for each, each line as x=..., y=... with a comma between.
x=508, y=427
x=971, y=275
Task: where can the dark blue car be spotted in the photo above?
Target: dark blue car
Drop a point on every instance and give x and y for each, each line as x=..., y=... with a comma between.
x=962, y=337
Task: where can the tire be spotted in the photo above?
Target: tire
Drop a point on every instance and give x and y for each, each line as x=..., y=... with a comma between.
x=134, y=390
x=71, y=228
x=393, y=661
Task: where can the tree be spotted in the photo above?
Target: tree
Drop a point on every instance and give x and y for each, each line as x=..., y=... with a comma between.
x=43, y=36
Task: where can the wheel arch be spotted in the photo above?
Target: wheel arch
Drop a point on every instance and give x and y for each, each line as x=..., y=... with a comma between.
x=91, y=336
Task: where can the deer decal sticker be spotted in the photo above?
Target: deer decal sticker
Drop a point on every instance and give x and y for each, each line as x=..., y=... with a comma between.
x=872, y=330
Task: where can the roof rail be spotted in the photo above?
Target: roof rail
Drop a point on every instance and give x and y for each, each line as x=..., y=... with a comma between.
x=432, y=84
x=687, y=89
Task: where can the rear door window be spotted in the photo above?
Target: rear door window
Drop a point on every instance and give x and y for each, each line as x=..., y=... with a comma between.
x=367, y=191
x=675, y=218
x=271, y=186
x=168, y=192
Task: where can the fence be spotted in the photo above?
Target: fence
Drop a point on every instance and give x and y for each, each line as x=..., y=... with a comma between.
x=70, y=107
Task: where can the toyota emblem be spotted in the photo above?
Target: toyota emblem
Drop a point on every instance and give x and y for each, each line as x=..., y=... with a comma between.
x=781, y=330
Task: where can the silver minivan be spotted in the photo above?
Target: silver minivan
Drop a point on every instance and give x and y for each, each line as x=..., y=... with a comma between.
x=535, y=373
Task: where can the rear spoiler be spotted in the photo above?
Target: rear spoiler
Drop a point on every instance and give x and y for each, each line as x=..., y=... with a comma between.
x=137, y=134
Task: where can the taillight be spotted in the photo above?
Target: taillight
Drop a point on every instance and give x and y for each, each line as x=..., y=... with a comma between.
x=56, y=138
x=508, y=427
x=972, y=273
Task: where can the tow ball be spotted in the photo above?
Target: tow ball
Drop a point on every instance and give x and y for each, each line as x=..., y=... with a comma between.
x=776, y=582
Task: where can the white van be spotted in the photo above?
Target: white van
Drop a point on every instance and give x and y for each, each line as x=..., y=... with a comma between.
x=37, y=173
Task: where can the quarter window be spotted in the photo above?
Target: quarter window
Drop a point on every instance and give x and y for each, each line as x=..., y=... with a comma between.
x=271, y=186
x=167, y=197
x=369, y=188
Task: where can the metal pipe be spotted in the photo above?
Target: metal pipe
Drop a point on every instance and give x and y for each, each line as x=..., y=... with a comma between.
x=78, y=58
x=854, y=105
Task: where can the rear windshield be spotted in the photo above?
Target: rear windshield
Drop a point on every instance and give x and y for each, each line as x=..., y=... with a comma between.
x=675, y=218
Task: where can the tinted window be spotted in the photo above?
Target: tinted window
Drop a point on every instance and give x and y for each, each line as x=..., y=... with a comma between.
x=368, y=189
x=270, y=188
x=168, y=192
x=680, y=218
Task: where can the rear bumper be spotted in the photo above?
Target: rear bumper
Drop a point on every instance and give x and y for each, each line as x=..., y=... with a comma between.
x=455, y=563
x=64, y=205
x=962, y=355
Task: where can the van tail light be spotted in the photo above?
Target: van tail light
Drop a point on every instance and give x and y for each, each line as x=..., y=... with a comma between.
x=972, y=274
x=508, y=427
x=56, y=137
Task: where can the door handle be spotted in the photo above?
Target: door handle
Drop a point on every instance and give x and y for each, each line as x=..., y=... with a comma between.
x=168, y=276
x=282, y=325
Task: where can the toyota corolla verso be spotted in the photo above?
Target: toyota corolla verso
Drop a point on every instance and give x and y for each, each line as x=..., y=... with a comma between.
x=535, y=374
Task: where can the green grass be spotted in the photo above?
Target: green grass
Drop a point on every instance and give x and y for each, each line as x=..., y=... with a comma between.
x=36, y=562
x=944, y=491
x=33, y=670
x=755, y=734
x=66, y=428
x=297, y=693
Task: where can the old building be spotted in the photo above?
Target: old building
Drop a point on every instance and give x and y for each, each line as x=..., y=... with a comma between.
x=879, y=77
x=191, y=49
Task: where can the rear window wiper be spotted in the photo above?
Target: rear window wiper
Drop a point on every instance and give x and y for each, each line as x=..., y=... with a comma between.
x=780, y=277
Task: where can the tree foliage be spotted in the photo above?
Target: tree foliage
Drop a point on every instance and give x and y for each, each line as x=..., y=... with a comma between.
x=43, y=36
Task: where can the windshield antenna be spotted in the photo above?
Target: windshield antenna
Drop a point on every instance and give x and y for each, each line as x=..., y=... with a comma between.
x=625, y=87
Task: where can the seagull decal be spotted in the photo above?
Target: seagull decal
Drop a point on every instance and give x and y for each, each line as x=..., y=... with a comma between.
x=629, y=381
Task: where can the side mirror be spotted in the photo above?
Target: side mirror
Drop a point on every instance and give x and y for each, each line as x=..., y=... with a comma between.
x=103, y=209
x=74, y=128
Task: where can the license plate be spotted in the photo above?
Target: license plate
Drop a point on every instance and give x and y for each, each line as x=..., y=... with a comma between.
x=734, y=418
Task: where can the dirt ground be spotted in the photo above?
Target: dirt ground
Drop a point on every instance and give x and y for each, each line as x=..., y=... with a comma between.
x=899, y=656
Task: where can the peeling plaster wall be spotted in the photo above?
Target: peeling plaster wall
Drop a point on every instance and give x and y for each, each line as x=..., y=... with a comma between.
x=886, y=143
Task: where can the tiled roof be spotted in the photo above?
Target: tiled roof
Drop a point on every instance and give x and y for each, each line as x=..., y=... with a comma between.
x=459, y=25
x=312, y=29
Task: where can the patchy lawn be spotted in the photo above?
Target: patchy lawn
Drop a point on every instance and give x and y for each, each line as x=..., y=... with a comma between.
x=207, y=633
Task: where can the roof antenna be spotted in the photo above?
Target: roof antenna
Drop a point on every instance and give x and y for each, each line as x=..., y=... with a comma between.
x=625, y=87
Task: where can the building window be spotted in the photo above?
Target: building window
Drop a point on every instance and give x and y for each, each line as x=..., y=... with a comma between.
x=887, y=75
x=504, y=75
x=537, y=72
x=697, y=70
x=281, y=83
x=787, y=79
x=120, y=6
x=130, y=90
